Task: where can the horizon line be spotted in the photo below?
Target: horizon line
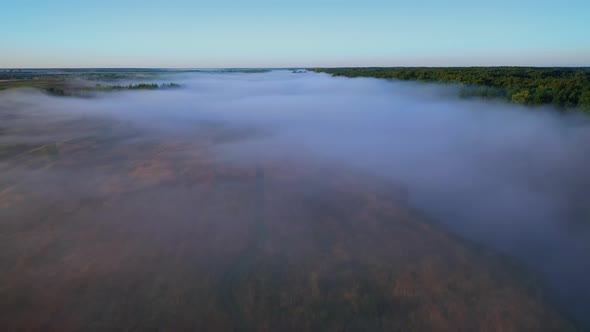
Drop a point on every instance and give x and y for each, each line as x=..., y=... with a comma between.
x=291, y=67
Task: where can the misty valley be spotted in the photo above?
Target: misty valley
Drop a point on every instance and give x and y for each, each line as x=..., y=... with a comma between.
x=287, y=200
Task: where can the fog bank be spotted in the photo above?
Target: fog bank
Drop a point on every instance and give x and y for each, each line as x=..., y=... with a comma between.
x=512, y=178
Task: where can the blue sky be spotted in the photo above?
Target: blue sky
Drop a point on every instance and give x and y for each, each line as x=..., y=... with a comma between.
x=263, y=33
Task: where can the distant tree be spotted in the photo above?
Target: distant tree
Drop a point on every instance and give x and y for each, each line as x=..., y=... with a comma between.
x=584, y=102
x=522, y=97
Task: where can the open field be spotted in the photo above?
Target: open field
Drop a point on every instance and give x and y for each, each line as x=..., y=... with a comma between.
x=164, y=237
x=117, y=213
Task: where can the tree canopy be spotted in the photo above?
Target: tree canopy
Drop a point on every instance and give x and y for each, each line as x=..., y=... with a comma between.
x=563, y=87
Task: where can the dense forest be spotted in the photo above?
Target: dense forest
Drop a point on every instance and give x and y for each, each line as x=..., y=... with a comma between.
x=566, y=88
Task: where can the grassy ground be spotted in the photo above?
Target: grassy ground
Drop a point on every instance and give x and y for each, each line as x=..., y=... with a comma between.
x=118, y=229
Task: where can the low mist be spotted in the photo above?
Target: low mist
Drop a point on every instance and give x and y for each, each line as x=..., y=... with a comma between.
x=511, y=178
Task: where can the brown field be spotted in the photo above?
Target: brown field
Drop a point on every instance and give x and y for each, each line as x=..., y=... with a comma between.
x=119, y=231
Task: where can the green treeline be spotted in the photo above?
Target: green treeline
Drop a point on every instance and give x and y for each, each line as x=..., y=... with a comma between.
x=562, y=87
x=140, y=86
x=84, y=91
